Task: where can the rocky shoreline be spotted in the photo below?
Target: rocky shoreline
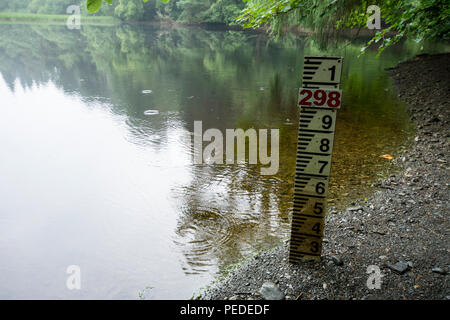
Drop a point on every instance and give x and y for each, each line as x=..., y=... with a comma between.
x=402, y=230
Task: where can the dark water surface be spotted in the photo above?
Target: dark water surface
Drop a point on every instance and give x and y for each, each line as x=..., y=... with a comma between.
x=89, y=178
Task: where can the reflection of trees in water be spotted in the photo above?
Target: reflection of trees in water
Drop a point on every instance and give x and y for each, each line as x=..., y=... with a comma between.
x=40, y=54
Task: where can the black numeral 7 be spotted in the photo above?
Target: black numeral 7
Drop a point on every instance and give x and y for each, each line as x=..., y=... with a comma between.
x=324, y=164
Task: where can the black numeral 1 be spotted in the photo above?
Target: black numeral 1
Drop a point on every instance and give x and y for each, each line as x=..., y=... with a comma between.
x=333, y=71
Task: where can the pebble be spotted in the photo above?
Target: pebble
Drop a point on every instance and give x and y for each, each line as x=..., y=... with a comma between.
x=337, y=261
x=270, y=291
x=400, y=267
x=439, y=270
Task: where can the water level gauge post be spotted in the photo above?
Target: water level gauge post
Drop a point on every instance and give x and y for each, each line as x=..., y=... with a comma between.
x=318, y=100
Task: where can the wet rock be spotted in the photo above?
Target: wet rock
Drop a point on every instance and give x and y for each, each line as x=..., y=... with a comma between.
x=439, y=270
x=400, y=267
x=270, y=291
x=337, y=261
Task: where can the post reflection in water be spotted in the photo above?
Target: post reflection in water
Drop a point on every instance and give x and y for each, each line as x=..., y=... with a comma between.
x=97, y=159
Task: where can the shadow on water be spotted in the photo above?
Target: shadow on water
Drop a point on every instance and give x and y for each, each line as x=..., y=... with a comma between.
x=214, y=215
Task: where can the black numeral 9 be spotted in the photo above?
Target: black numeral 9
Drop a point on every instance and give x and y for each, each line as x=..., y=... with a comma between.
x=327, y=122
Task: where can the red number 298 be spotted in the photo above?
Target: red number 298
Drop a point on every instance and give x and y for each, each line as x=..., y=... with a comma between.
x=320, y=97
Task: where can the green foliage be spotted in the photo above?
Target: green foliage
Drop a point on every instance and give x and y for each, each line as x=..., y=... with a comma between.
x=127, y=8
x=193, y=10
x=185, y=11
x=95, y=5
x=419, y=20
x=224, y=11
x=416, y=19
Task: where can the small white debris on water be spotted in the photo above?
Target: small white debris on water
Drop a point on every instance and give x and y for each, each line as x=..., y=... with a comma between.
x=151, y=112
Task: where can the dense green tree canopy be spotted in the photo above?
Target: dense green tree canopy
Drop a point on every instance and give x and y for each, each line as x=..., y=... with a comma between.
x=185, y=11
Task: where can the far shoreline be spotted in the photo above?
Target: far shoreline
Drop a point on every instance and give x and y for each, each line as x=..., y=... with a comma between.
x=32, y=18
x=36, y=18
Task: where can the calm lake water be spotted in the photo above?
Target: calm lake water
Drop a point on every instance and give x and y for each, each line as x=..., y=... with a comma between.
x=89, y=178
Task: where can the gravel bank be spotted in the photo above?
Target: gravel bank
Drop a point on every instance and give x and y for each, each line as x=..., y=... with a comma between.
x=403, y=229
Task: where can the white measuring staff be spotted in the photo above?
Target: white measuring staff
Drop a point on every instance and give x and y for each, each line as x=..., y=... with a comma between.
x=319, y=99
